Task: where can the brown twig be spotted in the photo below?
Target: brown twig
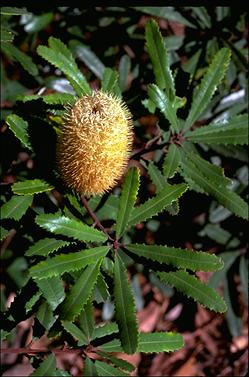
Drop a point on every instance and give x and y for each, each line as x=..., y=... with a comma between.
x=94, y=217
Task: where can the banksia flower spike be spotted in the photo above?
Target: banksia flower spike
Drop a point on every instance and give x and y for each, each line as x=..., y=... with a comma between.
x=94, y=145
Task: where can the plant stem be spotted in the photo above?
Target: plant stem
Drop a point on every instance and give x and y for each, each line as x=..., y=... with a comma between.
x=94, y=217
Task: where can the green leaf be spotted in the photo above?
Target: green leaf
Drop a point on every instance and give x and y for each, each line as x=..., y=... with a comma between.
x=181, y=258
x=67, y=262
x=30, y=303
x=209, y=84
x=80, y=292
x=86, y=319
x=194, y=288
x=69, y=227
x=58, y=54
x=3, y=232
x=52, y=290
x=157, y=204
x=37, y=23
x=85, y=54
x=110, y=77
x=15, y=54
x=157, y=177
x=104, y=369
x=218, y=277
x=75, y=332
x=112, y=346
x=125, y=308
x=20, y=128
x=45, y=247
x=13, y=11
x=46, y=368
x=214, y=187
x=159, y=58
x=6, y=35
x=168, y=13
x=30, y=187
x=235, y=323
x=16, y=207
x=204, y=18
x=243, y=273
x=234, y=131
x=171, y=161
x=124, y=70
x=161, y=100
x=120, y=363
x=50, y=99
x=160, y=342
x=105, y=329
x=45, y=315
x=127, y=200
x=89, y=368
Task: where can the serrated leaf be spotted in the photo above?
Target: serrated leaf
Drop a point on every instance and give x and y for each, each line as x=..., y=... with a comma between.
x=16, y=207
x=212, y=78
x=162, y=101
x=32, y=301
x=50, y=99
x=112, y=346
x=125, y=308
x=86, y=319
x=194, y=288
x=157, y=204
x=31, y=186
x=160, y=342
x=101, y=292
x=47, y=367
x=120, y=363
x=20, y=128
x=52, y=290
x=227, y=198
x=159, y=58
x=228, y=258
x=105, y=329
x=3, y=232
x=234, y=131
x=85, y=54
x=69, y=227
x=213, y=172
x=6, y=35
x=104, y=369
x=58, y=54
x=45, y=315
x=171, y=161
x=17, y=55
x=127, y=200
x=46, y=246
x=156, y=176
x=110, y=77
x=181, y=258
x=75, y=332
x=80, y=292
x=89, y=368
x=13, y=11
x=67, y=262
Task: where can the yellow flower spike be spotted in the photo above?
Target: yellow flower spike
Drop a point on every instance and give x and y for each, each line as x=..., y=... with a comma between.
x=95, y=143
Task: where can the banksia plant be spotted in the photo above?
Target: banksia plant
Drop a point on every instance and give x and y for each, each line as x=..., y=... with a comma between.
x=70, y=263
x=95, y=143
